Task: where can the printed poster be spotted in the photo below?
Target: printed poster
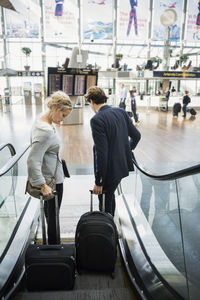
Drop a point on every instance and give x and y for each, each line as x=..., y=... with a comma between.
x=25, y=21
x=61, y=20
x=193, y=21
x=167, y=10
x=97, y=20
x=132, y=22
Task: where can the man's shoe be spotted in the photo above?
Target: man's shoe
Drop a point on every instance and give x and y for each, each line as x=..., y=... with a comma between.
x=183, y=116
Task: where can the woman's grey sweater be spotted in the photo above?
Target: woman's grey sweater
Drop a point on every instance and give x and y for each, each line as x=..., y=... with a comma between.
x=43, y=156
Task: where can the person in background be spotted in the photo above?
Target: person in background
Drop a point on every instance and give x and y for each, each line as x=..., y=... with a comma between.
x=111, y=128
x=159, y=91
x=167, y=94
x=186, y=101
x=122, y=96
x=173, y=90
x=132, y=101
x=43, y=159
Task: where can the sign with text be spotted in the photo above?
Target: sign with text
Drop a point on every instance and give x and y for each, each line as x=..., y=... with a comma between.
x=30, y=73
x=176, y=74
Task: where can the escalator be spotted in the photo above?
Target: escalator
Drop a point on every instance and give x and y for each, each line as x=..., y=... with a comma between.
x=157, y=219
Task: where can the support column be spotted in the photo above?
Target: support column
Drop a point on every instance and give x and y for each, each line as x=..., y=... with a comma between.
x=43, y=48
x=166, y=54
x=114, y=45
x=150, y=29
x=5, y=46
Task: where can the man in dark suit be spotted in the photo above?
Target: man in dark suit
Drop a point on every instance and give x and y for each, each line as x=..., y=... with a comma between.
x=111, y=129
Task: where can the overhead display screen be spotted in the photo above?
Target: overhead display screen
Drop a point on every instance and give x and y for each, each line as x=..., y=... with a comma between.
x=68, y=84
x=91, y=81
x=72, y=81
x=79, y=87
x=54, y=83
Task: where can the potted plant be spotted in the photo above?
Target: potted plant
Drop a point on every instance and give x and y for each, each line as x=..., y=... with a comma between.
x=27, y=51
x=156, y=59
x=183, y=58
x=118, y=57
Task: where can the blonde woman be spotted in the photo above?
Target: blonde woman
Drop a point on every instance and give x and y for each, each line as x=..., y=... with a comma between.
x=43, y=158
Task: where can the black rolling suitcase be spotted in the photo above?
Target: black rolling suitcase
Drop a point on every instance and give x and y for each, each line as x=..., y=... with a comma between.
x=193, y=111
x=50, y=267
x=96, y=241
x=176, y=109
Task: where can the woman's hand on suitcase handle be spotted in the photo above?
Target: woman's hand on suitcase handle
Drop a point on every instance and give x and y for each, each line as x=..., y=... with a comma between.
x=97, y=190
x=46, y=190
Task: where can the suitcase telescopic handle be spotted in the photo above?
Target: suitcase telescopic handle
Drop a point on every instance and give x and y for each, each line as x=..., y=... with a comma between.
x=103, y=200
x=44, y=238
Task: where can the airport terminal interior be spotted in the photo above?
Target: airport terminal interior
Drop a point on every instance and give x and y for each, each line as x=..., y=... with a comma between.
x=150, y=47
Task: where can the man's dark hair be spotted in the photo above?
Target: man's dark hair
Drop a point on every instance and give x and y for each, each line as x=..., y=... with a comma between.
x=132, y=92
x=96, y=94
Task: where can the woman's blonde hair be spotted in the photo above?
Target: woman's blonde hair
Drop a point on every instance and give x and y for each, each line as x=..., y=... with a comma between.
x=60, y=101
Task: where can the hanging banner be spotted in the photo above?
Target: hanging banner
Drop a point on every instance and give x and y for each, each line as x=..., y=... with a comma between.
x=97, y=20
x=167, y=12
x=193, y=22
x=25, y=21
x=0, y=25
x=61, y=20
x=132, y=20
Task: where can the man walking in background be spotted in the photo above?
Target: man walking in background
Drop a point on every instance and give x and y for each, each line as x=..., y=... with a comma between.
x=186, y=101
x=122, y=96
x=111, y=129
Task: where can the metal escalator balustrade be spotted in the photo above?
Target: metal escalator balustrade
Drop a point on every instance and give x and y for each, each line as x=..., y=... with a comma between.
x=18, y=215
x=164, y=212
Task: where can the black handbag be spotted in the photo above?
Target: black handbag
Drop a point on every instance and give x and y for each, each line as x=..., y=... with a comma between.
x=65, y=170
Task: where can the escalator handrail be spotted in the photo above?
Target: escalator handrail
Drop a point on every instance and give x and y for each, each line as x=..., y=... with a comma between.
x=10, y=147
x=171, y=176
x=10, y=164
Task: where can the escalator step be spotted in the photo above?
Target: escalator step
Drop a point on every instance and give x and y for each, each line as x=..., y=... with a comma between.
x=106, y=294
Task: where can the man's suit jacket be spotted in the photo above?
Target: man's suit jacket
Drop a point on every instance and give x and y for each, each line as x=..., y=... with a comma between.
x=111, y=129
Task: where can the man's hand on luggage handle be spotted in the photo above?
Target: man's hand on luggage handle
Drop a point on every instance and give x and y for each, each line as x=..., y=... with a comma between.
x=97, y=189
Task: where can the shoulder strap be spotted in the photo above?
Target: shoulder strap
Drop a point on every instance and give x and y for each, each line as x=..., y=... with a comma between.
x=56, y=165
